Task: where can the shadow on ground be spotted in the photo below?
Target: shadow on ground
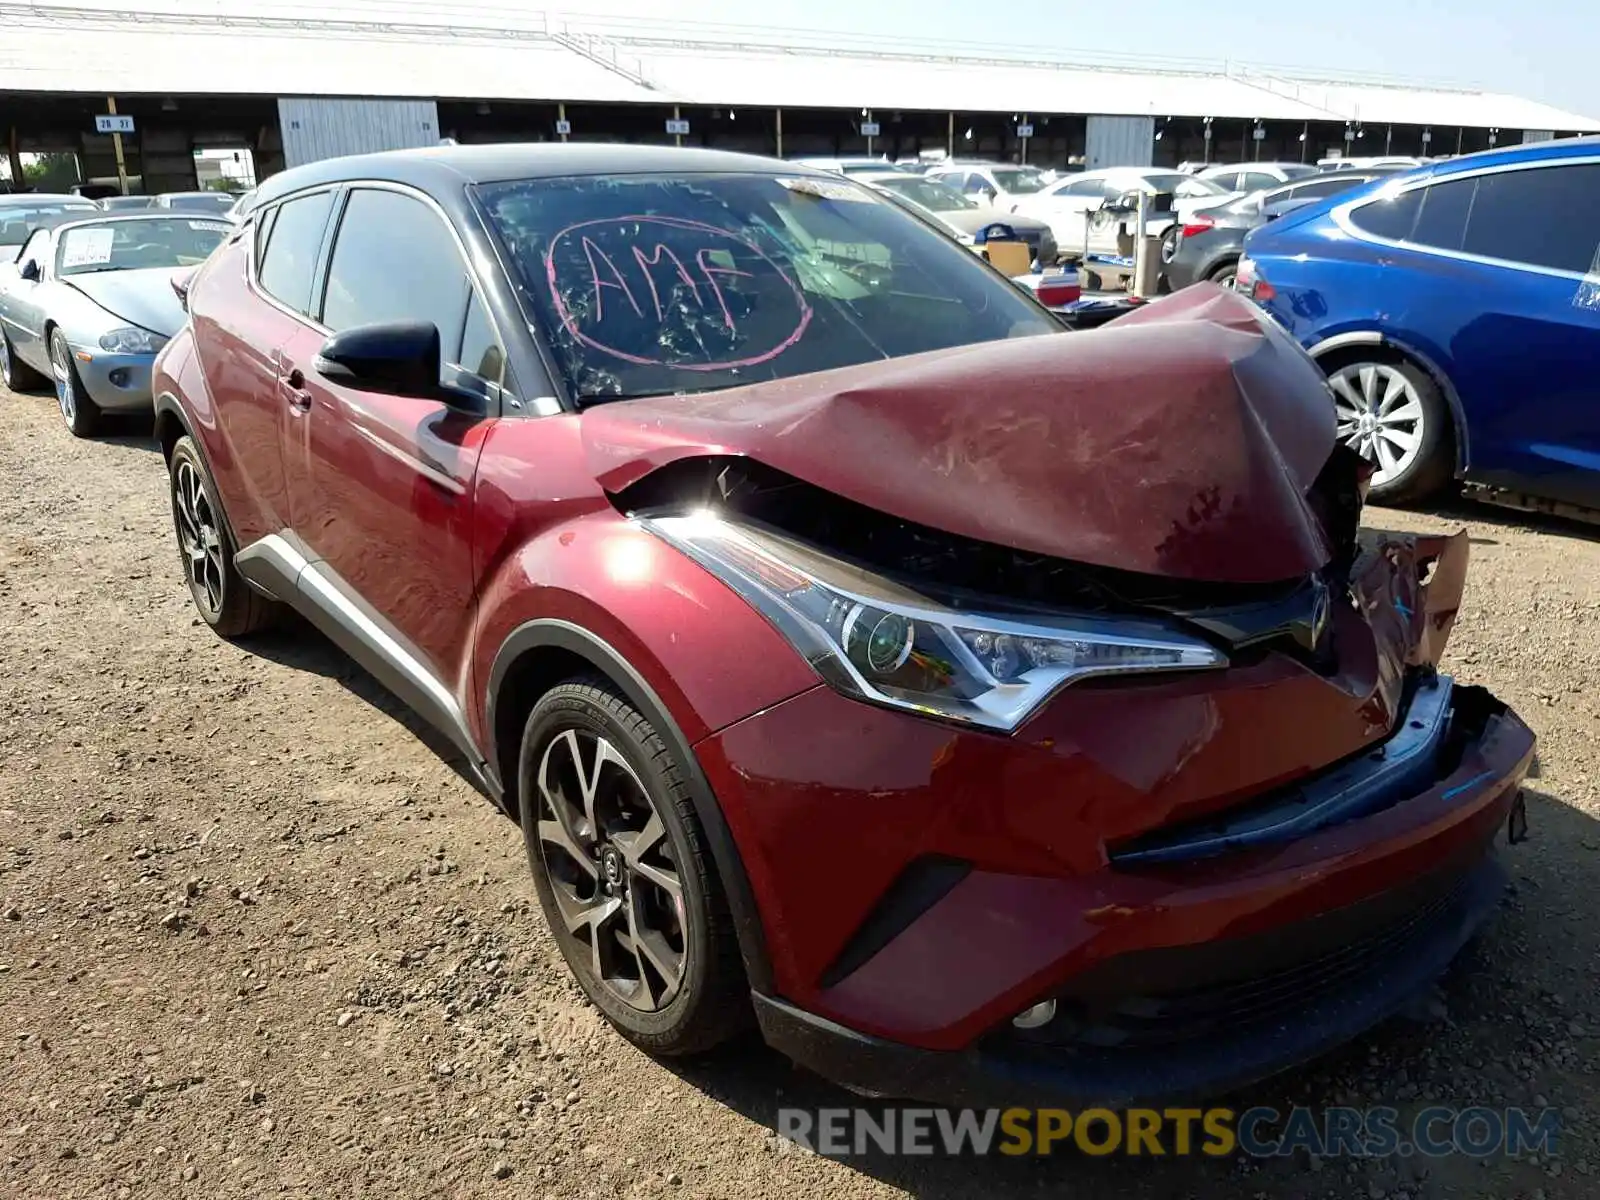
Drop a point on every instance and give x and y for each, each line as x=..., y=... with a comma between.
x=295, y=643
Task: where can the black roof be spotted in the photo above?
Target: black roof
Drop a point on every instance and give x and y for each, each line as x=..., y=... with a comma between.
x=452, y=167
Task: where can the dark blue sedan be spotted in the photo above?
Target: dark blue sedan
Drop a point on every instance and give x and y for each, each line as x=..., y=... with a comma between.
x=1456, y=311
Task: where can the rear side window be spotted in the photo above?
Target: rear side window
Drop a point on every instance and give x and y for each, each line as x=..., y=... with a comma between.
x=290, y=259
x=1389, y=218
x=1544, y=217
x=1255, y=181
x=1442, y=222
x=393, y=260
x=1226, y=180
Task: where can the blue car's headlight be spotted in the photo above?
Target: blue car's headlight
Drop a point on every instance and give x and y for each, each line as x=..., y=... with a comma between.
x=132, y=340
x=880, y=641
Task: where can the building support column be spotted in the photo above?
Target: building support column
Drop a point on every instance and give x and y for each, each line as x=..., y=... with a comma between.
x=14, y=154
x=116, y=145
x=778, y=112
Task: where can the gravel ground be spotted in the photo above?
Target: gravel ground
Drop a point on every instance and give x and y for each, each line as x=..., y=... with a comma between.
x=260, y=939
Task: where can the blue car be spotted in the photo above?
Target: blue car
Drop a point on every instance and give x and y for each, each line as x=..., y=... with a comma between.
x=1456, y=312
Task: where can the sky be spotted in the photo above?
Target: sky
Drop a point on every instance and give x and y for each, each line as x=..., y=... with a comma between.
x=1541, y=49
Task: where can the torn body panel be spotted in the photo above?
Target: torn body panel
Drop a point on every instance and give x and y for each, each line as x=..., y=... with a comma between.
x=1179, y=441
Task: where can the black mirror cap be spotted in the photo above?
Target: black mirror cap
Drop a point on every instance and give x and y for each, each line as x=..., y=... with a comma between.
x=180, y=286
x=30, y=271
x=400, y=358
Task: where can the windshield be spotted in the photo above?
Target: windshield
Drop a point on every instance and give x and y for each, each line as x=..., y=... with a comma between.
x=1185, y=187
x=645, y=285
x=1298, y=170
x=206, y=202
x=131, y=245
x=1019, y=181
x=927, y=192
x=18, y=220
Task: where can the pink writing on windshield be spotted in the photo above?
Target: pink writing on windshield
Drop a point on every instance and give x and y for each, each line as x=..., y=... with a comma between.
x=667, y=291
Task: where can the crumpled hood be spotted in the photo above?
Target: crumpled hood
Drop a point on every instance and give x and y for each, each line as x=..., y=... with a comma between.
x=141, y=297
x=1179, y=440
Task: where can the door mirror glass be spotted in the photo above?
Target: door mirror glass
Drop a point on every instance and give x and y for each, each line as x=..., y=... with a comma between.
x=30, y=270
x=398, y=358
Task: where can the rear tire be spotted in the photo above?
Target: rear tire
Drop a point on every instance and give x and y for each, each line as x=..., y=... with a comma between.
x=620, y=862
x=15, y=374
x=205, y=548
x=1224, y=275
x=81, y=414
x=1392, y=412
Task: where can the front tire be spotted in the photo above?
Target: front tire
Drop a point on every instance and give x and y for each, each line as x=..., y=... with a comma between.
x=224, y=600
x=623, y=872
x=1394, y=415
x=81, y=414
x=15, y=374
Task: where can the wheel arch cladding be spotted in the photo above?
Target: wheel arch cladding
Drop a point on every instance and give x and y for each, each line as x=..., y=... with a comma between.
x=542, y=653
x=1347, y=348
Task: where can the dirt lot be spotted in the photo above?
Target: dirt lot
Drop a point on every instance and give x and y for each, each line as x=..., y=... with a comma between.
x=259, y=939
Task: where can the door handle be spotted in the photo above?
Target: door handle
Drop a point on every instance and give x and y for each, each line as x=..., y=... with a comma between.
x=292, y=387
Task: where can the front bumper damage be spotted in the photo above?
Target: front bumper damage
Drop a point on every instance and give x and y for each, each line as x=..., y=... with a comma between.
x=1169, y=1002
x=1202, y=944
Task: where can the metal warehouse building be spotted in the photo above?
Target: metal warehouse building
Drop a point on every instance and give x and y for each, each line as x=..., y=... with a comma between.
x=340, y=80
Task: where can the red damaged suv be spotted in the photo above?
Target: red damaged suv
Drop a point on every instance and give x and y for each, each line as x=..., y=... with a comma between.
x=991, y=711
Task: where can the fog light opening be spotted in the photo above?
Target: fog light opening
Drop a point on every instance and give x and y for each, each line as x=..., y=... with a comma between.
x=119, y=378
x=1039, y=1014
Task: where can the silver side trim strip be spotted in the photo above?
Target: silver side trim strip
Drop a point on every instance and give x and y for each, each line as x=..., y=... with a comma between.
x=275, y=566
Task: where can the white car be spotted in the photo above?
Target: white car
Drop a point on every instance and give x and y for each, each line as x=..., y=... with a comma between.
x=1073, y=205
x=1362, y=164
x=1003, y=185
x=1255, y=176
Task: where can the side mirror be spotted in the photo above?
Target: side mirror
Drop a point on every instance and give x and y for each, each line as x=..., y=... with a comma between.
x=398, y=358
x=180, y=287
x=30, y=270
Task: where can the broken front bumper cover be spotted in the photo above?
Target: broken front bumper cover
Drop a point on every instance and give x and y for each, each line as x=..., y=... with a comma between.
x=1203, y=1006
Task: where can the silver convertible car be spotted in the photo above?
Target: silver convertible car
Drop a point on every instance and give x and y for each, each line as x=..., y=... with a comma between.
x=88, y=303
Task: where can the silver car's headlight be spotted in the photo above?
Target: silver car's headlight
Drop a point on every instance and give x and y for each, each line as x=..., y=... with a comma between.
x=132, y=340
x=878, y=641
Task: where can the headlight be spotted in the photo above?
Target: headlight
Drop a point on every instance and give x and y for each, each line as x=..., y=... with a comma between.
x=132, y=340
x=878, y=641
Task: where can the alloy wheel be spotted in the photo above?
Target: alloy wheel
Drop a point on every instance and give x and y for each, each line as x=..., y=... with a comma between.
x=1380, y=415
x=200, y=536
x=66, y=390
x=605, y=851
x=5, y=361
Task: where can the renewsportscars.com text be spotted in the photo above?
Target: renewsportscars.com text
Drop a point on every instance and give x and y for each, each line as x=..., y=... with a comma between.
x=1151, y=1132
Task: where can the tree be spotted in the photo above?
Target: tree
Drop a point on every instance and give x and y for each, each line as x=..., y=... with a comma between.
x=50, y=172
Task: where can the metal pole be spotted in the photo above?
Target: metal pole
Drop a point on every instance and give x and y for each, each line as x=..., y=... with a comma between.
x=1024, y=141
x=116, y=144
x=780, y=131
x=869, y=136
x=561, y=115
x=1305, y=140
x=677, y=138
x=1461, y=132
x=950, y=137
x=1388, y=140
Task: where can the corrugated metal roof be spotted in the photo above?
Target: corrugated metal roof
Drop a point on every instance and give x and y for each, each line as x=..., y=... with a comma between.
x=105, y=58
x=395, y=50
